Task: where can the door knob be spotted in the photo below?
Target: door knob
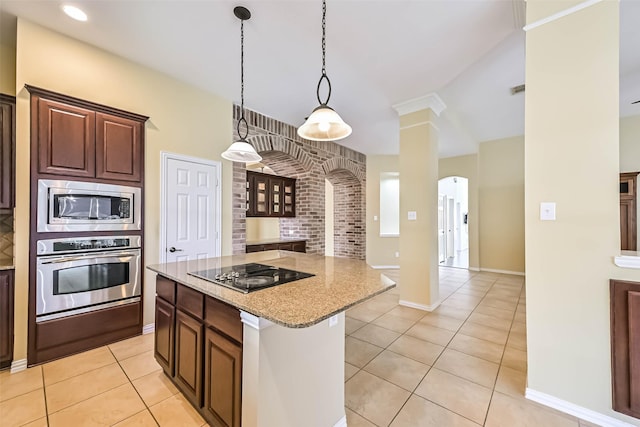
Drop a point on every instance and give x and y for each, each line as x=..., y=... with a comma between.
x=172, y=249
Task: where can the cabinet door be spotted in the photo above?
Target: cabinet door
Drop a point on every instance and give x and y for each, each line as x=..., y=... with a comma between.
x=165, y=327
x=66, y=139
x=628, y=234
x=276, y=196
x=119, y=148
x=7, y=144
x=289, y=197
x=223, y=380
x=258, y=188
x=188, y=357
x=299, y=246
x=6, y=318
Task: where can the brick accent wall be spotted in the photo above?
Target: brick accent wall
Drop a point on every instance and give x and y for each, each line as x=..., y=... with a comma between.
x=311, y=162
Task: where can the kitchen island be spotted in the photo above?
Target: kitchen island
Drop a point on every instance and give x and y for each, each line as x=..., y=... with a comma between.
x=284, y=344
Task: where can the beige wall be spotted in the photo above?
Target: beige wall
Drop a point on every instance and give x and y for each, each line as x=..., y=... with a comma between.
x=571, y=158
x=501, y=204
x=7, y=69
x=467, y=167
x=630, y=144
x=182, y=120
x=263, y=228
x=380, y=250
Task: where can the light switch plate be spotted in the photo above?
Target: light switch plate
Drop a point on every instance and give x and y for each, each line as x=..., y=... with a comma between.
x=412, y=215
x=375, y=217
x=548, y=211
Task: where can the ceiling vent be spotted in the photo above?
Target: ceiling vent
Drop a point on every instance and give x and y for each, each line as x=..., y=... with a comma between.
x=517, y=89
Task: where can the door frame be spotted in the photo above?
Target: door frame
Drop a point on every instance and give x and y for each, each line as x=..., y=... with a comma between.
x=165, y=156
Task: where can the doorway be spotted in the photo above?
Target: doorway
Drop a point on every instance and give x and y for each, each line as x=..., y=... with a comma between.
x=453, y=227
x=190, y=217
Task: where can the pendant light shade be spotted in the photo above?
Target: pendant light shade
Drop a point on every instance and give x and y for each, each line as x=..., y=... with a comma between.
x=324, y=124
x=242, y=151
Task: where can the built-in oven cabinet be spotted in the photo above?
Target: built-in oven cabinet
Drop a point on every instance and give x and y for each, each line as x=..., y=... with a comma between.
x=77, y=138
x=199, y=346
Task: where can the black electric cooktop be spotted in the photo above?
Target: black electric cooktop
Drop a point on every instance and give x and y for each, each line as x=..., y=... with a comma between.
x=249, y=277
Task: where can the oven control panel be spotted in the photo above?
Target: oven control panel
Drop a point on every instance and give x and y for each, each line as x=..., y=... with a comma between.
x=86, y=244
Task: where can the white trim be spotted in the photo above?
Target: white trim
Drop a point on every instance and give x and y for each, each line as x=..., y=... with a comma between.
x=383, y=235
x=627, y=261
x=560, y=14
x=148, y=329
x=422, y=307
x=431, y=100
x=493, y=270
x=254, y=321
x=385, y=267
x=428, y=122
x=342, y=422
x=573, y=409
x=471, y=268
x=18, y=365
x=164, y=158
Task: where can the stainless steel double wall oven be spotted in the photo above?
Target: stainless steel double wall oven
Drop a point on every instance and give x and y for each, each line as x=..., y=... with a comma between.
x=98, y=268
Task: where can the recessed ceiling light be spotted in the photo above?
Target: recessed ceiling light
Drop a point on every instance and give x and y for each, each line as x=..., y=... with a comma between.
x=74, y=12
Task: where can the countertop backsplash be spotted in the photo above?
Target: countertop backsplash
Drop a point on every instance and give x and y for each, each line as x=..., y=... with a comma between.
x=6, y=235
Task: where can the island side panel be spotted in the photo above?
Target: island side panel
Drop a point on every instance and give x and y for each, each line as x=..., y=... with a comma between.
x=293, y=377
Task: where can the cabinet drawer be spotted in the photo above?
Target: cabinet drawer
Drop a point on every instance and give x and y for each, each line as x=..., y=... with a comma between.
x=166, y=289
x=224, y=318
x=190, y=301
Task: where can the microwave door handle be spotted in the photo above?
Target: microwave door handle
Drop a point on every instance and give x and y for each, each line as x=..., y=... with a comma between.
x=88, y=256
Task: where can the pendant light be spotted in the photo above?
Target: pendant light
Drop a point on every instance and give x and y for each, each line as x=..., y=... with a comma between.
x=324, y=124
x=242, y=151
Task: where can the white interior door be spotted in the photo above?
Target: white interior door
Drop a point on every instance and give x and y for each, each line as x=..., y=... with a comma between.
x=450, y=227
x=191, y=208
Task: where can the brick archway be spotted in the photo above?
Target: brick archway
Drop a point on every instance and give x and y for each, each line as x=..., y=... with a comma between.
x=277, y=153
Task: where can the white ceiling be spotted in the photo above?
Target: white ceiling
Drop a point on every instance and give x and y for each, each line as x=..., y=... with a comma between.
x=379, y=53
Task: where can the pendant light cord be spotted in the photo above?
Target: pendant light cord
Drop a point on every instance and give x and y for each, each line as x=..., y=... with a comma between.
x=242, y=119
x=324, y=56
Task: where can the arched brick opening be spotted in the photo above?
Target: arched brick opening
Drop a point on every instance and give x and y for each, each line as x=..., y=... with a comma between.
x=349, y=232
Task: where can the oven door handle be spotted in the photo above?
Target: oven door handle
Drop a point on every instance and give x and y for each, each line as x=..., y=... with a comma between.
x=88, y=256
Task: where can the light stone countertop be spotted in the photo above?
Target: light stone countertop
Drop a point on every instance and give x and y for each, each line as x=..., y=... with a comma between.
x=339, y=283
x=268, y=241
x=6, y=264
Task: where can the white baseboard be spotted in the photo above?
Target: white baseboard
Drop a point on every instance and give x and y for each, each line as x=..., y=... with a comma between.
x=342, y=422
x=422, y=307
x=575, y=410
x=491, y=270
x=385, y=267
x=473, y=269
x=18, y=365
x=148, y=329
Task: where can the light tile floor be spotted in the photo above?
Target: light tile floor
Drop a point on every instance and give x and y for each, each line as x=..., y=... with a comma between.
x=462, y=365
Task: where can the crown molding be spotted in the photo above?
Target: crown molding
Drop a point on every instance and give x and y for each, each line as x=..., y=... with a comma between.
x=432, y=101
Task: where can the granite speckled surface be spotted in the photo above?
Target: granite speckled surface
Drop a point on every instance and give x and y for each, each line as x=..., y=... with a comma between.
x=268, y=241
x=338, y=284
x=6, y=264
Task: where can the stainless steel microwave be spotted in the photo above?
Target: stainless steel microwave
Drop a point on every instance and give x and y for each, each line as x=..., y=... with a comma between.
x=87, y=206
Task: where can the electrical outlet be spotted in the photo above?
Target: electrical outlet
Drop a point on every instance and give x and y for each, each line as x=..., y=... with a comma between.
x=397, y=254
x=333, y=321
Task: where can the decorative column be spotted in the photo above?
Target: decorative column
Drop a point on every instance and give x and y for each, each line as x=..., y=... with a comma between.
x=419, y=283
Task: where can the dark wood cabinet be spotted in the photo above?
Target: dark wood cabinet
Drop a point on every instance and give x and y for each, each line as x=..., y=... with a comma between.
x=199, y=345
x=270, y=195
x=6, y=318
x=625, y=346
x=294, y=246
x=7, y=151
x=188, y=357
x=223, y=380
x=628, y=211
x=66, y=139
x=164, y=335
x=77, y=138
